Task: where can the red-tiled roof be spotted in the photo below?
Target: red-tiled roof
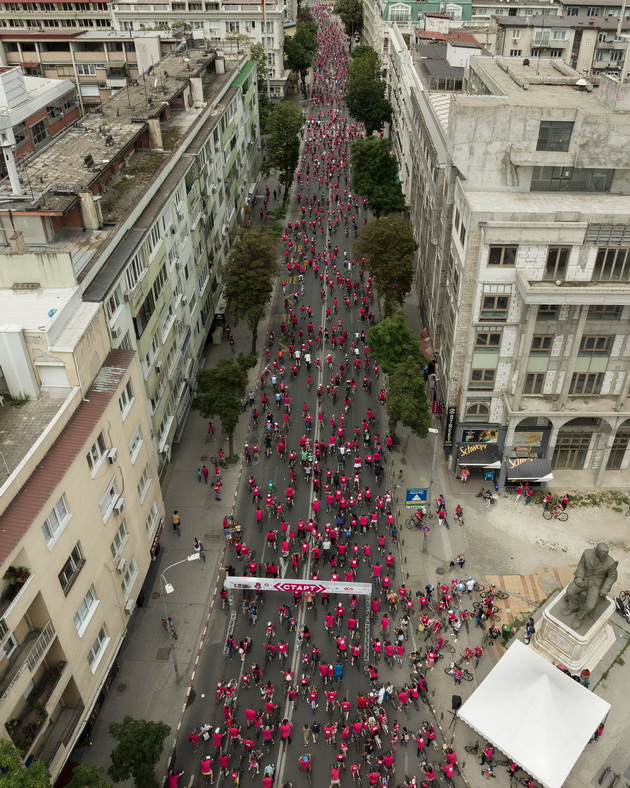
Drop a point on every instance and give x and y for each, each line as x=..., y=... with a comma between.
x=33, y=496
x=430, y=35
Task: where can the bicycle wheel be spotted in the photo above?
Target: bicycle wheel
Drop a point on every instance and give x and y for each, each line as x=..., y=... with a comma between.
x=563, y=517
x=410, y=523
x=468, y=676
x=547, y=514
x=174, y=634
x=478, y=587
x=501, y=761
x=472, y=749
x=448, y=647
x=495, y=617
x=502, y=595
x=623, y=595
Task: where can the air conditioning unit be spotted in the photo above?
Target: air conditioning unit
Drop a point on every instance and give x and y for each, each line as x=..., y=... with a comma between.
x=119, y=505
x=184, y=300
x=174, y=230
x=112, y=456
x=130, y=606
x=116, y=332
x=158, y=368
x=179, y=265
x=121, y=566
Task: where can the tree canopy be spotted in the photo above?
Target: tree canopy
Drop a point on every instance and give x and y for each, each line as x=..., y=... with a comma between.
x=365, y=94
x=87, y=777
x=140, y=745
x=248, y=275
x=299, y=50
x=257, y=54
x=282, y=151
x=351, y=14
x=375, y=175
x=392, y=340
x=220, y=390
x=389, y=248
x=15, y=774
x=407, y=398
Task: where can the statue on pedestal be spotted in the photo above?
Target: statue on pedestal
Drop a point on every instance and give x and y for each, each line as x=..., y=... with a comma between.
x=594, y=577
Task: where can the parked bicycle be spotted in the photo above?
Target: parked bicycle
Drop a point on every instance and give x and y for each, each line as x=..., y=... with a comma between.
x=557, y=513
x=169, y=626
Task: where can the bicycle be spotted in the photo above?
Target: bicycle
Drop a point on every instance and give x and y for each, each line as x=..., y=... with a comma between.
x=169, y=626
x=494, y=592
x=413, y=522
x=466, y=674
x=602, y=777
x=220, y=462
x=624, y=596
x=438, y=768
x=555, y=513
x=356, y=773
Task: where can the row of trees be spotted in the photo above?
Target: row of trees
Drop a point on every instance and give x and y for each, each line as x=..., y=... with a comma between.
x=351, y=14
x=300, y=48
x=365, y=93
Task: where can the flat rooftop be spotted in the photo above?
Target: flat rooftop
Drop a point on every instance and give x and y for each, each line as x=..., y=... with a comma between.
x=550, y=83
x=30, y=311
x=20, y=427
x=562, y=22
x=540, y=206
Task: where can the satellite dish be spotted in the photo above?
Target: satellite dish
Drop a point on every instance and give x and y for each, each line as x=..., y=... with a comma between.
x=581, y=83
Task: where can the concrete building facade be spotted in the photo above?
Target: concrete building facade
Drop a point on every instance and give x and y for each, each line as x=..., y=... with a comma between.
x=527, y=307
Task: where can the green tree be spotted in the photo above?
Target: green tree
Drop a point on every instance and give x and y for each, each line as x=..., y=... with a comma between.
x=392, y=340
x=361, y=50
x=257, y=54
x=365, y=94
x=249, y=273
x=140, y=744
x=389, y=248
x=351, y=14
x=283, y=143
x=407, y=398
x=221, y=389
x=375, y=175
x=304, y=13
x=299, y=50
x=87, y=777
x=13, y=772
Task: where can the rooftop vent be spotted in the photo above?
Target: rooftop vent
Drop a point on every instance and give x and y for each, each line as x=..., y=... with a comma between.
x=23, y=288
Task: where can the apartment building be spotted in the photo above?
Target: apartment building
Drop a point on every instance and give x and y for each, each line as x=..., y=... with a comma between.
x=527, y=308
x=229, y=25
x=378, y=14
x=141, y=198
x=80, y=504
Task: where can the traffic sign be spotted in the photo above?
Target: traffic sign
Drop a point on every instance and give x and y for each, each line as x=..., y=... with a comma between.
x=426, y=529
x=306, y=586
x=416, y=496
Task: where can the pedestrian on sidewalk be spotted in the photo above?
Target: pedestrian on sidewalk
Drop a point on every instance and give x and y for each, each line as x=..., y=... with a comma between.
x=519, y=493
x=210, y=429
x=399, y=478
x=530, y=629
x=528, y=496
x=564, y=502
x=199, y=474
x=547, y=501
x=464, y=475
x=204, y=473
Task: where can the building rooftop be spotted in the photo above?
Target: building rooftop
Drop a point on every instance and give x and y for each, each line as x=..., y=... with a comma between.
x=454, y=37
x=562, y=22
x=548, y=83
x=30, y=310
x=57, y=34
x=28, y=503
x=40, y=92
x=539, y=206
x=441, y=103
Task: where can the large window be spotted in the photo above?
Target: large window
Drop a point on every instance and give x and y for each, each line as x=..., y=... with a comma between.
x=557, y=260
x=595, y=345
x=95, y=654
x=135, y=443
x=86, y=610
x=477, y=412
x=71, y=569
x=143, y=484
x=96, y=453
x=494, y=308
x=108, y=499
x=129, y=577
x=570, y=179
x=502, y=255
x=554, y=135
x=604, y=312
x=534, y=382
x=144, y=314
x=482, y=379
x=119, y=540
x=56, y=521
x=548, y=312
x=486, y=339
x=612, y=265
x=125, y=399
x=136, y=269
x=39, y=133
x=541, y=345
x=586, y=383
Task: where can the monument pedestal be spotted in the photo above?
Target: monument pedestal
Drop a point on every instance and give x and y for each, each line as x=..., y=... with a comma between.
x=557, y=641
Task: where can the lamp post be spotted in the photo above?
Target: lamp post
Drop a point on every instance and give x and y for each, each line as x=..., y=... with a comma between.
x=434, y=432
x=167, y=588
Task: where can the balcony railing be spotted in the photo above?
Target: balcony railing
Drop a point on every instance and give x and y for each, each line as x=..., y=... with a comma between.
x=31, y=662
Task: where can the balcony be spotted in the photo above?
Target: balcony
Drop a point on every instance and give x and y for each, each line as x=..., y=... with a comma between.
x=24, y=661
x=541, y=158
x=579, y=293
x=59, y=734
x=14, y=592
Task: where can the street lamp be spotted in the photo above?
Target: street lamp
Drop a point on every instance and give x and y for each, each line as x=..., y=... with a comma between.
x=435, y=432
x=167, y=588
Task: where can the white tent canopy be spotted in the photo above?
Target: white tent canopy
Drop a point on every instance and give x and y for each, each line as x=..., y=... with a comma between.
x=535, y=714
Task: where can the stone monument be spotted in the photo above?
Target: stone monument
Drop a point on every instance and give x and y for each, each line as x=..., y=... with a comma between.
x=574, y=630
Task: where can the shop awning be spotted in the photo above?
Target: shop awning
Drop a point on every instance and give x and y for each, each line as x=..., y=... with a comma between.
x=528, y=469
x=479, y=455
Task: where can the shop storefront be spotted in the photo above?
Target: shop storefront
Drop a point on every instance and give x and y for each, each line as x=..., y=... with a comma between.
x=483, y=460
x=536, y=471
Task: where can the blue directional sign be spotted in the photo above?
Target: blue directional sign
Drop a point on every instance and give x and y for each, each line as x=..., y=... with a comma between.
x=416, y=496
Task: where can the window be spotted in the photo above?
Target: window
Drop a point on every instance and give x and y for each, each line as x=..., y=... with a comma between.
x=125, y=400
x=570, y=179
x=152, y=519
x=108, y=499
x=129, y=577
x=494, y=308
x=604, y=312
x=484, y=340
x=136, y=269
x=462, y=234
x=71, y=569
x=144, y=314
x=113, y=304
x=534, y=382
x=548, y=312
x=516, y=52
x=557, y=260
x=541, y=345
x=119, y=540
x=21, y=133
x=95, y=654
x=612, y=265
x=160, y=280
x=153, y=238
x=555, y=53
x=56, y=521
x=572, y=10
x=554, y=135
x=135, y=443
x=86, y=610
x=69, y=102
x=143, y=484
x=399, y=13
x=482, y=378
x=86, y=69
x=595, y=345
x=586, y=383
x=64, y=71
x=477, y=412
x=96, y=453
x=592, y=10
x=502, y=255
x=39, y=132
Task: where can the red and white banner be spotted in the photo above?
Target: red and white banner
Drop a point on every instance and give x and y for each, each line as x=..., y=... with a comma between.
x=306, y=586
